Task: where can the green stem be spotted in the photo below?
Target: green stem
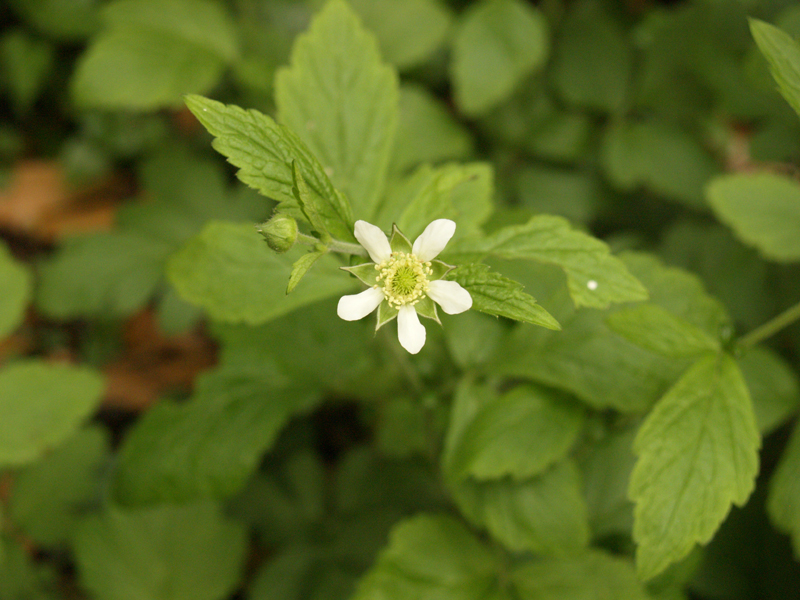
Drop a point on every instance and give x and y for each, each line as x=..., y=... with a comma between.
x=347, y=248
x=308, y=240
x=771, y=327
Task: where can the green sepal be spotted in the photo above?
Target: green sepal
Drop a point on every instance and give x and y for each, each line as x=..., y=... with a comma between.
x=304, y=200
x=301, y=267
x=366, y=273
x=385, y=314
x=427, y=308
x=440, y=269
x=399, y=242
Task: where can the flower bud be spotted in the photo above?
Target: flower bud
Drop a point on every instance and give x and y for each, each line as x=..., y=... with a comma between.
x=280, y=232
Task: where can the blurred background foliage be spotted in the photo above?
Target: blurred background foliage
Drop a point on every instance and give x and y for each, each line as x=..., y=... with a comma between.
x=612, y=113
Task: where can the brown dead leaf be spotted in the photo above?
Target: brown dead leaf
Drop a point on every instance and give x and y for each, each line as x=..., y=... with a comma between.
x=40, y=203
x=154, y=364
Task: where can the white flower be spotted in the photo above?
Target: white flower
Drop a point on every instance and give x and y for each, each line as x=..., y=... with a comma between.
x=404, y=281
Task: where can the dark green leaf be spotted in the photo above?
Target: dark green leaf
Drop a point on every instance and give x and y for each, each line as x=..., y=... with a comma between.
x=16, y=284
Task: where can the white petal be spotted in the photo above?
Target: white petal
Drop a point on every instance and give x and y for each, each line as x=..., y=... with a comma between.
x=374, y=241
x=433, y=240
x=453, y=298
x=410, y=331
x=358, y=306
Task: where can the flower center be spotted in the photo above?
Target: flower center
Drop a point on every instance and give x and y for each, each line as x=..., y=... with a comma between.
x=404, y=278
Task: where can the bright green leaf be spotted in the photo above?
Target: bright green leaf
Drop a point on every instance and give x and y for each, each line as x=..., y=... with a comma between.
x=520, y=434
x=763, y=209
x=773, y=386
x=233, y=275
x=660, y=331
x=660, y=157
x=595, y=278
x=496, y=295
x=154, y=51
x=408, y=31
x=50, y=494
x=592, y=59
x=41, y=405
x=264, y=152
x=169, y=552
x=428, y=131
x=783, y=54
x=496, y=45
x=590, y=576
x=16, y=285
x=208, y=446
x=341, y=100
x=783, y=502
x=698, y=454
x=301, y=267
x=430, y=557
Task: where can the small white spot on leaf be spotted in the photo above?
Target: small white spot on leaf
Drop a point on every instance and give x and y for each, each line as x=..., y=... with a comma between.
x=591, y=284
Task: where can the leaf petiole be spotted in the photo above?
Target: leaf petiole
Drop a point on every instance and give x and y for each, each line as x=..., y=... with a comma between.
x=771, y=327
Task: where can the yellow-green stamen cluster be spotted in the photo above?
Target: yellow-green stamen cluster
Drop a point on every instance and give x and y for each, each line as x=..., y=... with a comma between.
x=404, y=278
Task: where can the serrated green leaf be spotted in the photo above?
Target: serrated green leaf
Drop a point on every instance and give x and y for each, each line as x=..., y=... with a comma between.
x=50, y=494
x=660, y=157
x=592, y=575
x=703, y=428
x=428, y=131
x=783, y=502
x=152, y=52
x=341, y=100
x=430, y=556
x=264, y=151
x=301, y=267
x=461, y=193
x=660, y=331
x=496, y=45
x=763, y=209
x=595, y=278
x=169, y=552
x=520, y=434
x=209, y=446
x=589, y=360
x=773, y=386
x=592, y=59
x=783, y=54
x=108, y=274
x=229, y=271
x=41, y=405
x=545, y=514
x=496, y=295
x=16, y=283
